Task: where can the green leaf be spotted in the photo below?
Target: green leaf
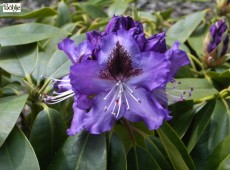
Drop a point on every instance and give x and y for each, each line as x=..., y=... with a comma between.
x=27, y=33
x=11, y=108
x=28, y=14
x=225, y=164
x=98, y=24
x=184, y=28
x=59, y=63
x=51, y=45
x=93, y=11
x=155, y=149
x=117, y=8
x=196, y=40
x=201, y=87
x=40, y=68
x=117, y=155
x=182, y=118
x=199, y=124
x=50, y=130
x=124, y=135
x=64, y=15
x=220, y=154
x=82, y=151
x=220, y=77
x=175, y=148
x=17, y=153
x=19, y=60
x=139, y=159
x=219, y=126
x=13, y=89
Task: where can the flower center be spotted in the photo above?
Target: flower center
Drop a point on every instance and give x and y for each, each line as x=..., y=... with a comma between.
x=119, y=94
x=119, y=65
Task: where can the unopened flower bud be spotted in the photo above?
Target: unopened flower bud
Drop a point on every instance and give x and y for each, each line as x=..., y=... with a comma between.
x=216, y=44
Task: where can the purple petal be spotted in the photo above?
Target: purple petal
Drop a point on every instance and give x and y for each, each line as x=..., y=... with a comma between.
x=154, y=71
x=99, y=120
x=63, y=85
x=77, y=121
x=69, y=47
x=148, y=110
x=83, y=102
x=109, y=42
x=75, y=53
x=156, y=43
x=178, y=59
x=84, y=50
x=139, y=36
x=85, y=78
x=118, y=23
x=93, y=37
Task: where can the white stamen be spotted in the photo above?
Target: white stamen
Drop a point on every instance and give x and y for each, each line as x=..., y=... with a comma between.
x=127, y=102
x=57, y=100
x=111, y=91
x=62, y=94
x=113, y=99
x=128, y=88
x=120, y=91
x=119, y=99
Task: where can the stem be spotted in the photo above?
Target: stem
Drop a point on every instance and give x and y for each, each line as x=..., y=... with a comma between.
x=44, y=86
x=196, y=60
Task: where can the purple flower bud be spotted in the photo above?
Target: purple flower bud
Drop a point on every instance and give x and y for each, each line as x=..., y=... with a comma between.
x=216, y=43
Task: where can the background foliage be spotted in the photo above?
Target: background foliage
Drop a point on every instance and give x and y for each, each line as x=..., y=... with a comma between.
x=33, y=134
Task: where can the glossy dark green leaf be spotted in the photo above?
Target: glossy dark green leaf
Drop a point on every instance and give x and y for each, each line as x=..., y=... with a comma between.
x=201, y=87
x=220, y=154
x=199, y=124
x=219, y=126
x=82, y=151
x=183, y=118
x=19, y=60
x=116, y=155
x=27, y=33
x=27, y=14
x=200, y=152
x=64, y=15
x=139, y=159
x=124, y=135
x=17, y=153
x=93, y=10
x=59, y=63
x=184, y=28
x=11, y=108
x=175, y=148
x=50, y=130
x=157, y=152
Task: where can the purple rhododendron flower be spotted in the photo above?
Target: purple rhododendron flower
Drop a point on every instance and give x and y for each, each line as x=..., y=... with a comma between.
x=119, y=73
